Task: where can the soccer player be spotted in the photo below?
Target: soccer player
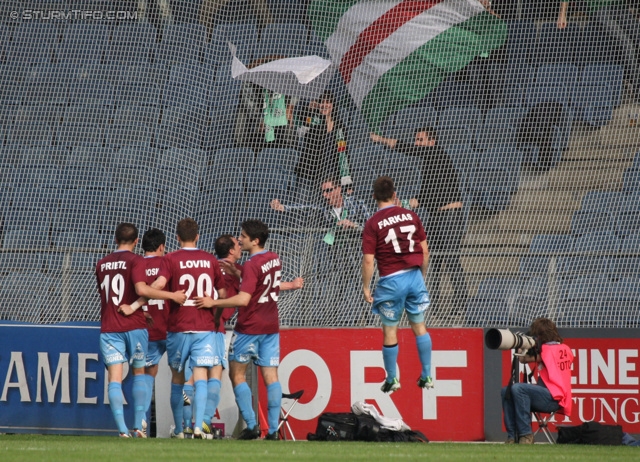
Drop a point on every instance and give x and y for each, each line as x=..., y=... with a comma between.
x=153, y=244
x=256, y=336
x=191, y=331
x=121, y=279
x=395, y=238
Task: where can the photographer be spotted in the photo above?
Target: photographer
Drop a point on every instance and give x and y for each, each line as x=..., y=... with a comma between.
x=552, y=390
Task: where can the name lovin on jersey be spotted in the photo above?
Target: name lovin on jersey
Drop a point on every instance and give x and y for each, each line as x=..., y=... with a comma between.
x=395, y=219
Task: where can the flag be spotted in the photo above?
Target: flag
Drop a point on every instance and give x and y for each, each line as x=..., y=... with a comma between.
x=391, y=54
x=305, y=76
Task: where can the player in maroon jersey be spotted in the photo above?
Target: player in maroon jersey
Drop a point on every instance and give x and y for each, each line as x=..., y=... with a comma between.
x=395, y=238
x=256, y=336
x=121, y=279
x=190, y=332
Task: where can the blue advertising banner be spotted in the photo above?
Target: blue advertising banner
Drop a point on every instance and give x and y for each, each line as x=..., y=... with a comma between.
x=52, y=380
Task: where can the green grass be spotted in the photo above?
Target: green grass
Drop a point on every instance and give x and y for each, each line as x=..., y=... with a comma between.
x=98, y=449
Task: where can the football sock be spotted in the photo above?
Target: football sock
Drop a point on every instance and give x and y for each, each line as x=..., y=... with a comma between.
x=424, y=353
x=243, y=400
x=390, y=358
x=187, y=411
x=213, y=399
x=177, y=403
x=116, y=402
x=140, y=392
x=274, y=404
x=200, y=401
x=148, y=380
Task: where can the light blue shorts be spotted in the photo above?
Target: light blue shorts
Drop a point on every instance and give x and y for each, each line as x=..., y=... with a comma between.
x=122, y=347
x=156, y=349
x=197, y=347
x=395, y=293
x=220, y=350
x=264, y=350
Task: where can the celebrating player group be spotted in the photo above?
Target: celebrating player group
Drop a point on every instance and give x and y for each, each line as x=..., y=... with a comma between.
x=202, y=292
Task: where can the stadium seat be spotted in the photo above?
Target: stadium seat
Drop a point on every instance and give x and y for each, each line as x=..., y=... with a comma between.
x=521, y=38
x=182, y=43
x=121, y=135
x=182, y=127
x=82, y=155
x=492, y=304
x=603, y=201
x=87, y=176
x=79, y=134
x=285, y=159
x=78, y=238
x=282, y=40
x=134, y=114
x=131, y=43
x=632, y=180
x=402, y=124
x=45, y=84
x=88, y=114
x=243, y=35
x=500, y=126
x=42, y=156
x=38, y=176
x=134, y=156
x=188, y=85
x=555, y=45
x=138, y=86
x=578, y=306
x=19, y=291
x=21, y=48
x=620, y=305
x=83, y=42
x=554, y=82
x=26, y=197
x=587, y=221
x=220, y=211
x=92, y=93
x=629, y=219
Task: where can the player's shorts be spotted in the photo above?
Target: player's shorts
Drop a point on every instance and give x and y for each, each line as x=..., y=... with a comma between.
x=264, y=349
x=156, y=349
x=122, y=347
x=220, y=350
x=197, y=347
x=397, y=292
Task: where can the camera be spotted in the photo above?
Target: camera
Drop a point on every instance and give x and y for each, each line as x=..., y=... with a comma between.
x=504, y=339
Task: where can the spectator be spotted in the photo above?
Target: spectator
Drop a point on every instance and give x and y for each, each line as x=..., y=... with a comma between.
x=264, y=119
x=440, y=196
x=325, y=150
x=616, y=18
x=344, y=216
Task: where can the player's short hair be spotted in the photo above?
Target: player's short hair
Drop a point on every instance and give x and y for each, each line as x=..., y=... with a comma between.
x=187, y=230
x=126, y=233
x=152, y=239
x=223, y=245
x=383, y=189
x=256, y=229
x=430, y=131
x=334, y=180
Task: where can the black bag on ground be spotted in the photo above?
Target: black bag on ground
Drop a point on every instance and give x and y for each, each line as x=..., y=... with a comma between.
x=351, y=427
x=335, y=426
x=591, y=433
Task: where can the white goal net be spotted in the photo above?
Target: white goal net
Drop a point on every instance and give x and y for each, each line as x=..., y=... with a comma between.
x=510, y=127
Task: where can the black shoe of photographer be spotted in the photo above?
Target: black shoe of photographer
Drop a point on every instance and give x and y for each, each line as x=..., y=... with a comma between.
x=526, y=439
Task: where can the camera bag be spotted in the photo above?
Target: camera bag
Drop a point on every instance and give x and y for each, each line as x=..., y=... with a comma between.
x=590, y=433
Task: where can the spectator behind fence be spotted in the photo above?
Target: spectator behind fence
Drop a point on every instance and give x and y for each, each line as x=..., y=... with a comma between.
x=440, y=196
x=616, y=18
x=325, y=150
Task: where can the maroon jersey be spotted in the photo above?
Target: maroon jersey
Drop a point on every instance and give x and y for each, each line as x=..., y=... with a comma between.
x=261, y=279
x=117, y=275
x=393, y=234
x=233, y=287
x=158, y=309
x=196, y=272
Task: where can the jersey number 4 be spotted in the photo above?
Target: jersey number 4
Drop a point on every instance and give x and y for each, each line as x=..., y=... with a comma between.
x=393, y=237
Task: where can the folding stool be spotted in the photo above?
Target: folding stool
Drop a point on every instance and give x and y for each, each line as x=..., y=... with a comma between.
x=284, y=414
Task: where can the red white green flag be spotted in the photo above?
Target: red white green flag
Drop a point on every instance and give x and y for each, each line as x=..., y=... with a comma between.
x=391, y=54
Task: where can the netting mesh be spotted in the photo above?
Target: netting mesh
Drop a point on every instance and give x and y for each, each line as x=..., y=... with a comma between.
x=117, y=111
